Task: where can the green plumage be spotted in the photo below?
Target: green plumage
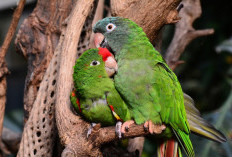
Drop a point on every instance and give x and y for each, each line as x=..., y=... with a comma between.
x=148, y=86
x=96, y=91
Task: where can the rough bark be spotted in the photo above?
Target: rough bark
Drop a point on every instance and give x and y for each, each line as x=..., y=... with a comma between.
x=184, y=32
x=11, y=140
x=150, y=15
x=135, y=145
x=72, y=129
x=3, y=67
x=98, y=16
x=2, y=101
x=36, y=41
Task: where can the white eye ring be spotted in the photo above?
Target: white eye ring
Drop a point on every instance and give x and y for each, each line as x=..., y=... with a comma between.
x=110, y=27
x=94, y=63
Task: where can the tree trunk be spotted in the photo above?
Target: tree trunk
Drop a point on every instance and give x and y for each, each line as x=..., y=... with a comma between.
x=36, y=41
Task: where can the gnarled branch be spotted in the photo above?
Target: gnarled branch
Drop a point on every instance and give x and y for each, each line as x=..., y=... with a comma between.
x=71, y=127
x=184, y=32
x=150, y=15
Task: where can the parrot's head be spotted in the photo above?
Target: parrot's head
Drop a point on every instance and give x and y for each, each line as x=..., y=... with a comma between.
x=90, y=76
x=93, y=66
x=114, y=33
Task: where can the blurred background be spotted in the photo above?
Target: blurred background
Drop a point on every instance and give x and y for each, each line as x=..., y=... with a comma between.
x=206, y=74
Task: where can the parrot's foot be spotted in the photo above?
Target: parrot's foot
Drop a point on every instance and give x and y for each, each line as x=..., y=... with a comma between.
x=126, y=125
x=153, y=128
x=118, y=129
x=90, y=129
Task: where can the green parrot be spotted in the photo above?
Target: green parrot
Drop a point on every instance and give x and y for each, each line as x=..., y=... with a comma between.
x=197, y=124
x=95, y=96
x=148, y=86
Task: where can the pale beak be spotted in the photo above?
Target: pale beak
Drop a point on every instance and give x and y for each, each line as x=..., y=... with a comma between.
x=98, y=37
x=111, y=66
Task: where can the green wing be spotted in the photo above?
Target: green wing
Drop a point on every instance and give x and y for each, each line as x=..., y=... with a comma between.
x=74, y=102
x=168, y=90
x=170, y=95
x=119, y=106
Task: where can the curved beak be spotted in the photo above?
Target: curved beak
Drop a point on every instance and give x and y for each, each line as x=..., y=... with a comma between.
x=111, y=66
x=98, y=38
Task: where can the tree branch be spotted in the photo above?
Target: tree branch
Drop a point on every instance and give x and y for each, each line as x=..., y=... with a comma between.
x=12, y=29
x=150, y=15
x=71, y=128
x=11, y=140
x=37, y=38
x=3, y=67
x=184, y=32
x=100, y=136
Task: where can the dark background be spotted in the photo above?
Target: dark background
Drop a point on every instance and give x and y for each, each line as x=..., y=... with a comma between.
x=205, y=76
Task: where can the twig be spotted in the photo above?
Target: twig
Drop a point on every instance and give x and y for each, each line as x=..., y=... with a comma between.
x=12, y=29
x=3, y=51
x=11, y=140
x=184, y=32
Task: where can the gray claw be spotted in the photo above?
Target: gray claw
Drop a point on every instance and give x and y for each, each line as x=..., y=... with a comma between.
x=145, y=128
x=90, y=129
x=127, y=128
x=118, y=129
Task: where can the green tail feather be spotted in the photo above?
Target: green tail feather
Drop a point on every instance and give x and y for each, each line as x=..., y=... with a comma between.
x=185, y=142
x=198, y=124
x=179, y=152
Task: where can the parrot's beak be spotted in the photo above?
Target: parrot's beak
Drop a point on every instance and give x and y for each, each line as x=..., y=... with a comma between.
x=111, y=66
x=100, y=41
x=98, y=38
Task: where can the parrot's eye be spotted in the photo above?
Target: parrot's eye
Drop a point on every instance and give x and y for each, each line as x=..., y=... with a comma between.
x=94, y=63
x=110, y=27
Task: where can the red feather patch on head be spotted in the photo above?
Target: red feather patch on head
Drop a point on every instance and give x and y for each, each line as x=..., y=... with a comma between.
x=104, y=52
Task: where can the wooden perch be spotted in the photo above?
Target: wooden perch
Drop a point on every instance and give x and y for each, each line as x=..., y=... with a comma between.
x=100, y=136
x=184, y=32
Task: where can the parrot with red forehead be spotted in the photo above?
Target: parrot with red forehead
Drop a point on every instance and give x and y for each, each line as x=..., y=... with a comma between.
x=148, y=86
x=95, y=97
